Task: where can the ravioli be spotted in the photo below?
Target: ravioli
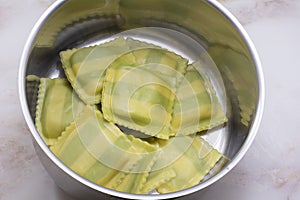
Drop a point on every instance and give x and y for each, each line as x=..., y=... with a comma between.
x=196, y=107
x=135, y=181
x=192, y=165
x=150, y=92
x=85, y=67
x=79, y=148
x=57, y=106
x=139, y=90
x=123, y=161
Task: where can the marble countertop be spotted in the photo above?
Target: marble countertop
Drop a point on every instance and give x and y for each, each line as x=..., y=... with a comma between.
x=271, y=168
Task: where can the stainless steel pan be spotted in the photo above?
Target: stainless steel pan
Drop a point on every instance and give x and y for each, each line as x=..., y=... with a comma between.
x=192, y=28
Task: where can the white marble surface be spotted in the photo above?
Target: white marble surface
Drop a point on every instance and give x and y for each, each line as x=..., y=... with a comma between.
x=270, y=169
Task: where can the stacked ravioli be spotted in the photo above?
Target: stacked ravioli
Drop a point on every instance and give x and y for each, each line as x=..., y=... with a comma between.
x=129, y=116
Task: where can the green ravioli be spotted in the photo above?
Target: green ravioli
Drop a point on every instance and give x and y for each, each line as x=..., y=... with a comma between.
x=147, y=90
x=100, y=152
x=57, y=107
x=139, y=90
x=85, y=67
x=196, y=107
x=195, y=160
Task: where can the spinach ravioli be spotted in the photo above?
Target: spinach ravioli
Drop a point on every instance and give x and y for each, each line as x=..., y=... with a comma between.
x=197, y=107
x=114, y=90
x=85, y=67
x=57, y=107
x=140, y=89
